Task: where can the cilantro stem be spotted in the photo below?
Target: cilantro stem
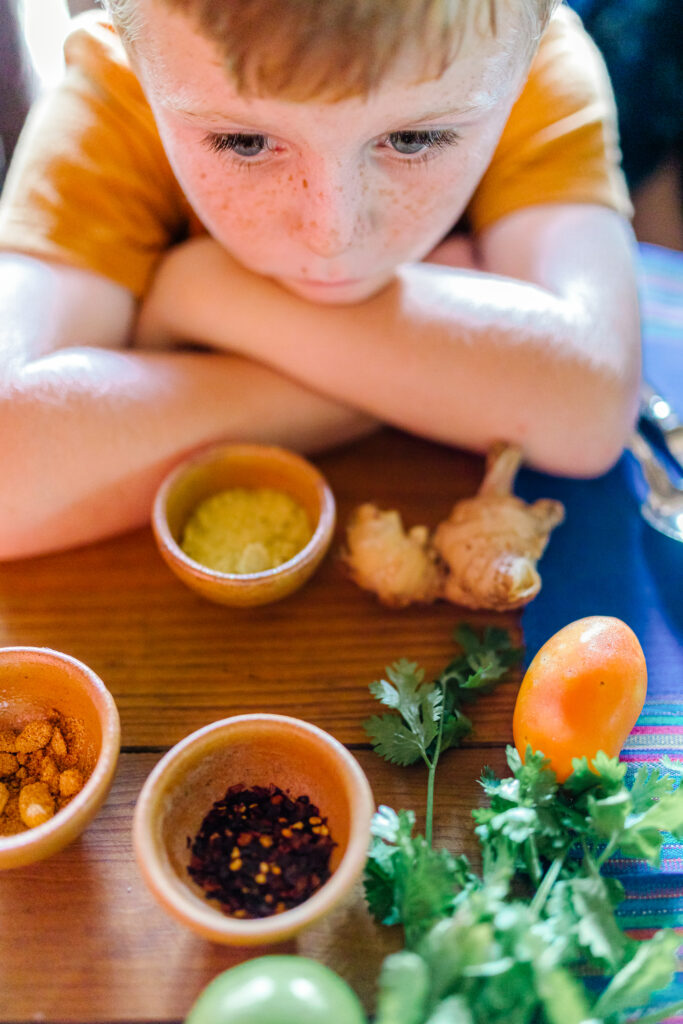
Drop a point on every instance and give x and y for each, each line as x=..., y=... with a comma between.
x=589, y=860
x=609, y=850
x=429, y=818
x=543, y=891
x=533, y=863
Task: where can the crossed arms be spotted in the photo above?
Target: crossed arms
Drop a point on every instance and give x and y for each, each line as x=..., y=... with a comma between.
x=539, y=346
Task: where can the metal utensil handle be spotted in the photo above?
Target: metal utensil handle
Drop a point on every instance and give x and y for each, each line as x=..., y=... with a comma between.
x=656, y=476
x=656, y=410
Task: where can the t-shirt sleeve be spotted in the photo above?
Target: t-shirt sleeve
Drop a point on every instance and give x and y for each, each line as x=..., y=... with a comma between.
x=561, y=141
x=90, y=184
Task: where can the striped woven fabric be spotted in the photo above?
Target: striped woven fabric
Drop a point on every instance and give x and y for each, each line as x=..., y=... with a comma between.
x=654, y=897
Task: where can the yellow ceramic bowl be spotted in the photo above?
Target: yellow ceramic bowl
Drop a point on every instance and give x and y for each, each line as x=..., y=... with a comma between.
x=253, y=750
x=242, y=465
x=34, y=683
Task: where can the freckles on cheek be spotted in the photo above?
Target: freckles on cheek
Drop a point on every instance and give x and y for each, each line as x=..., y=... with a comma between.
x=419, y=213
x=245, y=216
x=212, y=192
x=231, y=205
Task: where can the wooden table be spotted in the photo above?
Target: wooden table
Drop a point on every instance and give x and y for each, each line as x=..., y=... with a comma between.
x=81, y=938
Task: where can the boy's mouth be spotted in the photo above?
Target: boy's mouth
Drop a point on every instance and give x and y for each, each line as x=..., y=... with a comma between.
x=308, y=282
x=344, y=290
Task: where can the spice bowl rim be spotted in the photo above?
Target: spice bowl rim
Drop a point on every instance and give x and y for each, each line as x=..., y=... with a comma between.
x=308, y=556
x=176, y=896
x=70, y=821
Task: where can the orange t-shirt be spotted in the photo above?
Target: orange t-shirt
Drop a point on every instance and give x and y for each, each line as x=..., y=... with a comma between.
x=90, y=183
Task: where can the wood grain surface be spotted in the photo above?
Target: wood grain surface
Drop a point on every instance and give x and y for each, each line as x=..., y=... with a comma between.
x=81, y=939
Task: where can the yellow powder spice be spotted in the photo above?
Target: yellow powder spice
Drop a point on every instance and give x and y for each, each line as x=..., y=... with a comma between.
x=246, y=530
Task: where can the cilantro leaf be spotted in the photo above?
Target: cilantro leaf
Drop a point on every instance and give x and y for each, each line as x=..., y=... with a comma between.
x=669, y=765
x=483, y=662
x=607, y=773
x=401, y=693
x=453, y=1010
x=642, y=833
x=563, y=998
x=406, y=880
x=405, y=738
x=428, y=888
x=650, y=969
x=649, y=786
x=386, y=824
x=393, y=740
x=378, y=885
x=607, y=816
x=595, y=925
x=455, y=727
x=390, y=831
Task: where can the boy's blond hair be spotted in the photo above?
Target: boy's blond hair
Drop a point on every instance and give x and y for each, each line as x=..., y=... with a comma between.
x=334, y=49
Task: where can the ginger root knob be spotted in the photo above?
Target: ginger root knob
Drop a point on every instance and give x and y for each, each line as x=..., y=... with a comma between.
x=399, y=567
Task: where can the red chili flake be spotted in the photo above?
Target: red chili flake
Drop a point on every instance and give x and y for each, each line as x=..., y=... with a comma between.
x=259, y=852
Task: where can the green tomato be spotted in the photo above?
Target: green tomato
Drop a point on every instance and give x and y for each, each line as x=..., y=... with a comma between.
x=277, y=990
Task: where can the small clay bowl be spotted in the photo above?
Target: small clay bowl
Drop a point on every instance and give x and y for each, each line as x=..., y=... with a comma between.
x=242, y=465
x=253, y=750
x=36, y=682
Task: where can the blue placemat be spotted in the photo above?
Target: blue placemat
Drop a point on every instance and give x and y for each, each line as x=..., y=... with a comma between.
x=604, y=559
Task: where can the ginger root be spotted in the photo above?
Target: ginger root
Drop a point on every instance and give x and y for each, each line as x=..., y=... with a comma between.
x=399, y=567
x=483, y=555
x=492, y=542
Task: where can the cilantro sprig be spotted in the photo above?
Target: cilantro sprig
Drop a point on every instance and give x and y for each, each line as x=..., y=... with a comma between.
x=512, y=944
x=426, y=717
x=406, y=880
x=594, y=810
x=483, y=662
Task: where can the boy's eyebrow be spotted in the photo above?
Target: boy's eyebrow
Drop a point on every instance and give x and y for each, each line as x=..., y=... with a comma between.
x=480, y=105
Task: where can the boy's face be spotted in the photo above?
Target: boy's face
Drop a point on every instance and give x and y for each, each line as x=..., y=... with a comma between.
x=328, y=199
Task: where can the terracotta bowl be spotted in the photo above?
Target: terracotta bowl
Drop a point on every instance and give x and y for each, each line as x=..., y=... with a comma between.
x=252, y=750
x=34, y=683
x=242, y=465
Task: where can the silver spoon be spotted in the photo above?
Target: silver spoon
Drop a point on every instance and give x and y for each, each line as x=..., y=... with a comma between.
x=663, y=506
x=656, y=411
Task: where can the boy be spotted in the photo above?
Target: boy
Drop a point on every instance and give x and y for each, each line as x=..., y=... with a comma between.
x=233, y=221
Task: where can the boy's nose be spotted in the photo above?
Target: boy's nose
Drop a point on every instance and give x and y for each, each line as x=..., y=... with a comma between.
x=331, y=214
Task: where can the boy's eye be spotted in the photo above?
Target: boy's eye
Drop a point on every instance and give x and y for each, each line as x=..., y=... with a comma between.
x=244, y=144
x=410, y=143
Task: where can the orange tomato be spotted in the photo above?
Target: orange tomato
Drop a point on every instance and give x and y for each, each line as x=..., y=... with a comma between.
x=582, y=693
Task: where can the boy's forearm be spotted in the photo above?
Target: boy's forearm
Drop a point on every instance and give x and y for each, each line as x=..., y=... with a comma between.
x=88, y=434
x=461, y=357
